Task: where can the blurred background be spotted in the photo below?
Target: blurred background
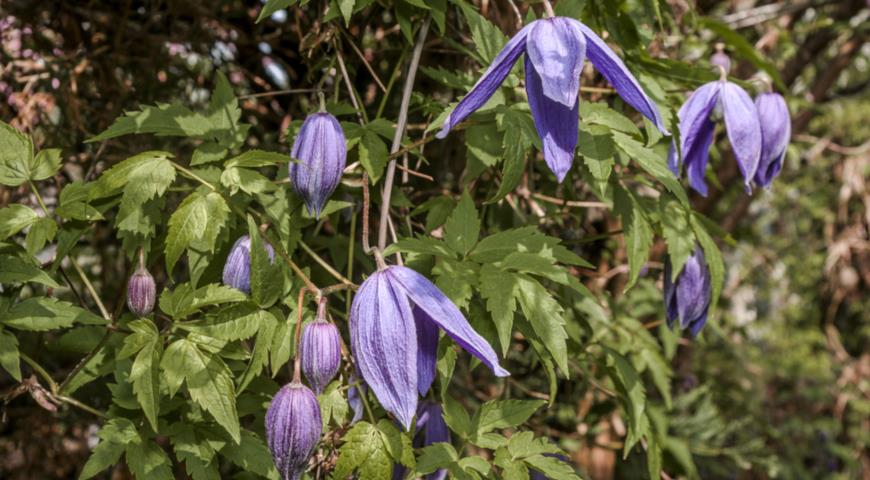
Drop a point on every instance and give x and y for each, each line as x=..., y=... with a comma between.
x=779, y=386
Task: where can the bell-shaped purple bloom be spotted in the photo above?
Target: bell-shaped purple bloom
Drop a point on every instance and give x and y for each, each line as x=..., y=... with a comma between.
x=555, y=50
x=141, y=292
x=320, y=352
x=322, y=155
x=394, y=324
x=697, y=129
x=293, y=428
x=775, y=135
x=688, y=298
x=431, y=428
x=237, y=269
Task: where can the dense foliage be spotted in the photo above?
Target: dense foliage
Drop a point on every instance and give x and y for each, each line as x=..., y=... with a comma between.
x=163, y=249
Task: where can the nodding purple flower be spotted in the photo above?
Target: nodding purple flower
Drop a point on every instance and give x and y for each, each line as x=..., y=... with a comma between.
x=688, y=298
x=394, y=325
x=293, y=429
x=141, y=292
x=237, y=269
x=322, y=155
x=555, y=50
x=775, y=134
x=697, y=128
x=431, y=428
x=320, y=350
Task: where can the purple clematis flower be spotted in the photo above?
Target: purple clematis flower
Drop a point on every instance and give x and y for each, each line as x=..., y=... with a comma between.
x=555, y=50
x=697, y=129
x=688, y=299
x=293, y=428
x=431, y=428
x=322, y=153
x=775, y=134
x=394, y=325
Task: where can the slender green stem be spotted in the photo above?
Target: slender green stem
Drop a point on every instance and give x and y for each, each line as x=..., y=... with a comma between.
x=82, y=406
x=326, y=266
x=38, y=197
x=84, y=361
x=187, y=173
x=90, y=287
x=40, y=371
x=350, y=252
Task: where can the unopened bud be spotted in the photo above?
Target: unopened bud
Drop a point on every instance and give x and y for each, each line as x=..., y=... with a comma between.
x=237, y=269
x=293, y=428
x=320, y=351
x=141, y=292
x=322, y=155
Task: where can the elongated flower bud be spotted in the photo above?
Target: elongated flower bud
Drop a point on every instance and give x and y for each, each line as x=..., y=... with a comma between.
x=721, y=59
x=293, y=428
x=141, y=292
x=322, y=155
x=237, y=269
x=320, y=351
x=688, y=298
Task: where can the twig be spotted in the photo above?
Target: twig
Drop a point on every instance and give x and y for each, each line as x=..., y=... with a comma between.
x=326, y=266
x=400, y=131
x=278, y=92
x=413, y=172
x=359, y=112
x=365, y=62
x=568, y=203
x=367, y=248
x=297, y=361
x=90, y=288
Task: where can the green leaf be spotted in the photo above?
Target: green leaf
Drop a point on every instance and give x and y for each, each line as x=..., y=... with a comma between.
x=545, y=315
x=596, y=146
x=145, y=372
x=40, y=314
x=16, y=156
x=235, y=322
x=713, y=257
x=601, y=114
x=246, y=180
x=487, y=37
x=422, y=245
x=637, y=232
x=398, y=443
x=652, y=163
x=484, y=142
x=267, y=281
x=463, y=227
x=632, y=394
x=141, y=177
x=363, y=451
x=436, y=456
x=184, y=300
x=260, y=356
x=504, y=414
x=252, y=455
x=104, y=455
x=499, y=289
x=333, y=405
x=15, y=218
x=677, y=232
x=373, y=155
x=346, y=7
x=46, y=164
x=455, y=415
x=257, y=159
x=149, y=462
x=208, y=152
x=551, y=467
x=16, y=270
x=654, y=456
x=195, y=224
x=9, y=355
x=273, y=6
x=208, y=379
x=41, y=232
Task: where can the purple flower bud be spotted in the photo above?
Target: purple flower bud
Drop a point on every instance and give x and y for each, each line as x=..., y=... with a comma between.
x=775, y=134
x=721, y=59
x=237, y=269
x=322, y=154
x=320, y=350
x=293, y=428
x=141, y=292
x=688, y=298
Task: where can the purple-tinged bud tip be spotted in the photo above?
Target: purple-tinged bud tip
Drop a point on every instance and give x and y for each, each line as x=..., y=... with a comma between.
x=237, y=269
x=141, y=292
x=321, y=152
x=688, y=298
x=320, y=351
x=721, y=59
x=293, y=428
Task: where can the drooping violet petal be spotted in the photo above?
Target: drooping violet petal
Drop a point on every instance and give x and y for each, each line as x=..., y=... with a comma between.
x=237, y=269
x=322, y=155
x=431, y=428
x=427, y=349
x=696, y=132
x=384, y=341
x=557, y=49
x=443, y=312
x=320, y=352
x=775, y=135
x=557, y=125
x=489, y=82
x=293, y=428
x=615, y=71
x=744, y=129
x=693, y=289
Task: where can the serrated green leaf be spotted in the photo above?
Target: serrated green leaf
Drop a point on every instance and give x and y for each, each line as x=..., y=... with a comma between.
x=504, y=413
x=46, y=164
x=196, y=223
x=149, y=462
x=273, y=6
x=677, y=232
x=422, y=245
x=184, y=300
x=236, y=322
x=104, y=455
x=463, y=227
x=260, y=356
x=16, y=270
x=252, y=455
x=552, y=467
x=487, y=38
x=637, y=232
x=397, y=443
x=267, y=281
x=373, y=155
x=652, y=163
x=333, y=404
x=41, y=232
x=713, y=257
x=16, y=156
x=15, y=218
x=145, y=372
x=363, y=451
x=632, y=395
x=601, y=114
x=38, y=314
x=545, y=315
x=499, y=289
x=436, y=456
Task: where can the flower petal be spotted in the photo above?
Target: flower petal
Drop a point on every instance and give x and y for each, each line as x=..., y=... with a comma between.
x=557, y=125
x=557, y=49
x=696, y=132
x=693, y=289
x=384, y=341
x=427, y=349
x=615, y=71
x=490, y=81
x=744, y=129
x=444, y=313
x=775, y=134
